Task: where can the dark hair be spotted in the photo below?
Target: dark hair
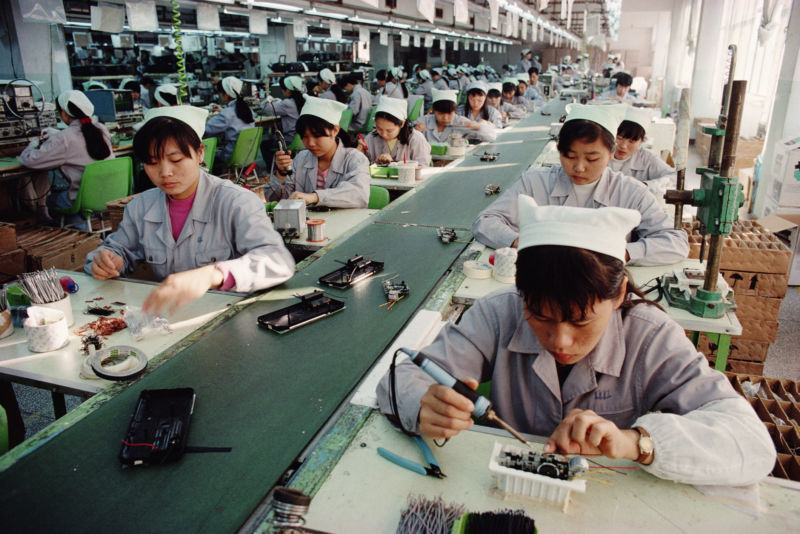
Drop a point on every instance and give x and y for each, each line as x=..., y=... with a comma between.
x=444, y=106
x=150, y=140
x=519, y=91
x=354, y=77
x=484, y=109
x=339, y=92
x=297, y=96
x=405, y=129
x=381, y=75
x=630, y=130
x=493, y=93
x=566, y=279
x=131, y=85
x=243, y=111
x=509, y=87
x=95, y=143
x=624, y=79
x=505, y=67
x=320, y=128
x=171, y=99
x=583, y=130
x=533, y=70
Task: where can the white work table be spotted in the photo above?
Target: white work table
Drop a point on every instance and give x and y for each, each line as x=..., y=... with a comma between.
x=337, y=223
x=59, y=369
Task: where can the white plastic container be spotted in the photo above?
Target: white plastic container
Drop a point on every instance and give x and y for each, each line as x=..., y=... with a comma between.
x=65, y=306
x=407, y=172
x=45, y=329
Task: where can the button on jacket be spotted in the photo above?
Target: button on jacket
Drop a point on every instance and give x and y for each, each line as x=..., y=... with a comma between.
x=227, y=224
x=653, y=242
x=347, y=184
x=227, y=123
x=418, y=149
x=705, y=432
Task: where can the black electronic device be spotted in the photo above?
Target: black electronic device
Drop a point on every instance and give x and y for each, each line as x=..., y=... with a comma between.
x=490, y=156
x=447, y=235
x=111, y=105
x=312, y=307
x=355, y=270
x=492, y=189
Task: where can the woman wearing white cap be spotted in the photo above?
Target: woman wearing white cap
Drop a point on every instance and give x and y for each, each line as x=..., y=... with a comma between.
x=395, y=87
x=68, y=151
x=632, y=160
x=166, y=95
x=196, y=231
x=326, y=173
x=360, y=100
x=478, y=109
x=525, y=60
x=576, y=353
x=326, y=80
x=393, y=138
x=438, y=82
x=495, y=99
x=443, y=122
x=510, y=98
x=425, y=88
x=288, y=109
x=235, y=117
x=519, y=98
x=586, y=145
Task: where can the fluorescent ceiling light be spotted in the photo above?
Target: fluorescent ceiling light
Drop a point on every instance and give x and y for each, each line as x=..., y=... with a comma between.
x=279, y=7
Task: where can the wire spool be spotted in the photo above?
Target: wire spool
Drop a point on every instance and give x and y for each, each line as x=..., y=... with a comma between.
x=477, y=270
x=505, y=265
x=289, y=507
x=118, y=363
x=316, y=230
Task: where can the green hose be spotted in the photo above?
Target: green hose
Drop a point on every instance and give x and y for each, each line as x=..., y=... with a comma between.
x=177, y=35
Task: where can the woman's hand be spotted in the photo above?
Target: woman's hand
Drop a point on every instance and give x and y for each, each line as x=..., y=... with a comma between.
x=180, y=289
x=474, y=125
x=420, y=126
x=310, y=198
x=283, y=160
x=106, y=264
x=362, y=145
x=384, y=158
x=586, y=433
x=444, y=413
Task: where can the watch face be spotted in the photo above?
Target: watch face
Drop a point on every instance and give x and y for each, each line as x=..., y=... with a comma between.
x=645, y=445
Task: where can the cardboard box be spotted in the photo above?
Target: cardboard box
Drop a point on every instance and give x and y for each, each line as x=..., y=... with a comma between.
x=12, y=263
x=740, y=349
x=750, y=247
x=757, y=330
x=750, y=307
x=8, y=237
x=787, y=226
x=757, y=284
x=56, y=247
x=747, y=149
x=740, y=366
x=116, y=209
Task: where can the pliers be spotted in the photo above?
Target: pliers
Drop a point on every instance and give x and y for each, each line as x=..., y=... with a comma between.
x=432, y=469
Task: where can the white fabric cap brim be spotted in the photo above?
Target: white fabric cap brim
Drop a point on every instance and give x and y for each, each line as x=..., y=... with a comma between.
x=511, y=80
x=496, y=85
x=294, y=83
x=396, y=107
x=445, y=94
x=424, y=74
x=602, y=230
x=326, y=75
x=77, y=98
x=194, y=117
x=165, y=89
x=232, y=86
x=478, y=84
x=641, y=116
x=327, y=110
x=609, y=117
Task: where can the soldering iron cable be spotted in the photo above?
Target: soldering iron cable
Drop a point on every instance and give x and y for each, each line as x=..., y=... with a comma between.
x=177, y=35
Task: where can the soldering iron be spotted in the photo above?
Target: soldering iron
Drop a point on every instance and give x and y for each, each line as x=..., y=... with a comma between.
x=483, y=406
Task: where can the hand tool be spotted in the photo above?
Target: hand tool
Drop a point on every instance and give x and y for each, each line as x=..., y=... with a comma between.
x=432, y=469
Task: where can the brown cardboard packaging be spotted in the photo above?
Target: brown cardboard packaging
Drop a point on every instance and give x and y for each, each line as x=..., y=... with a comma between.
x=758, y=330
x=12, y=263
x=116, y=209
x=8, y=237
x=740, y=349
x=56, y=247
x=749, y=307
x=756, y=284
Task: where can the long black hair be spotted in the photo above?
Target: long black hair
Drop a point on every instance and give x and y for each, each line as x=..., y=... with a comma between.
x=243, y=111
x=405, y=127
x=583, y=130
x=339, y=92
x=297, y=96
x=484, y=109
x=320, y=128
x=95, y=142
x=390, y=77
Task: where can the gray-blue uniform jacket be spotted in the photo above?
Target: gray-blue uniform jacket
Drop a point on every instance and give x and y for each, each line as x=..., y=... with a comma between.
x=393, y=90
x=441, y=84
x=347, y=184
x=458, y=125
x=535, y=95
x=650, y=169
x=425, y=89
x=653, y=242
x=227, y=224
x=643, y=372
x=361, y=104
x=418, y=149
x=227, y=123
x=494, y=116
x=287, y=110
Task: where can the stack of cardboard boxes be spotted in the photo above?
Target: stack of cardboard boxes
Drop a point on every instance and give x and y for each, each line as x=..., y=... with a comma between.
x=33, y=249
x=12, y=258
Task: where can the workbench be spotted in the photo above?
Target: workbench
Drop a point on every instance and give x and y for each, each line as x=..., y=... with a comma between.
x=337, y=223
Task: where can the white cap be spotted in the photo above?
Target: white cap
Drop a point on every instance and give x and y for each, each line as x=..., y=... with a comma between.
x=327, y=110
x=566, y=59
x=396, y=107
x=641, y=116
x=327, y=76
x=496, y=85
x=510, y=79
x=424, y=74
x=232, y=86
x=481, y=68
x=609, y=117
x=444, y=94
x=93, y=84
x=169, y=89
x=437, y=70
x=397, y=72
x=77, y=98
x=525, y=51
x=523, y=77
x=603, y=230
x=451, y=71
x=478, y=84
x=194, y=117
x=295, y=83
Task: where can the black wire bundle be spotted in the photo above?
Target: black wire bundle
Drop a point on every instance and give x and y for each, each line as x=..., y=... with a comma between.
x=502, y=522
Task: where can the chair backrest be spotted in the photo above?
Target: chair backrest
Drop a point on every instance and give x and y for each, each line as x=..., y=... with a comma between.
x=416, y=110
x=370, y=124
x=210, y=151
x=297, y=143
x=378, y=197
x=347, y=118
x=3, y=430
x=246, y=148
x=104, y=181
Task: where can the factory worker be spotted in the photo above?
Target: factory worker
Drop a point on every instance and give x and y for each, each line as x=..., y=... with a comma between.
x=288, y=108
x=360, y=101
x=536, y=63
x=93, y=85
x=65, y=153
x=166, y=95
x=525, y=60
x=323, y=89
x=425, y=88
x=534, y=91
x=520, y=99
x=575, y=353
x=452, y=79
x=480, y=74
x=438, y=82
x=495, y=99
x=393, y=138
x=559, y=78
x=233, y=118
x=510, y=97
x=326, y=173
x=196, y=231
x=621, y=91
x=462, y=78
x=136, y=94
x=631, y=159
x=444, y=121
x=477, y=108
x=586, y=145
x=395, y=87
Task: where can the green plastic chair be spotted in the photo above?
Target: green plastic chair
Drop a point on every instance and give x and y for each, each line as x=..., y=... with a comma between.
x=3, y=431
x=370, y=124
x=210, y=151
x=416, y=110
x=378, y=197
x=461, y=98
x=245, y=150
x=102, y=181
x=347, y=118
x=297, y=143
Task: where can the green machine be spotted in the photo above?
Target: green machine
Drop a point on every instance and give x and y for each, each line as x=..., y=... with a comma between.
x=718, y=201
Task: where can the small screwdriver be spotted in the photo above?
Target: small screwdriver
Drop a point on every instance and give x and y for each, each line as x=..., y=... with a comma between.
x=483, y=406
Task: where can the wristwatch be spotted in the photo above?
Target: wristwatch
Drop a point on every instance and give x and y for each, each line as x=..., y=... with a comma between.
x=646, y=446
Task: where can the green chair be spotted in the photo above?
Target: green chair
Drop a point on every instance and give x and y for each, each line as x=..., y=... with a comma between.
x=347, y=118
x=3, y=431
x=378, y=197
x=245, y=150
x=102, y=181
x=370, y=124
x=462, y=97
x=416, y=110
x=297, y=143
x=210, y=151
